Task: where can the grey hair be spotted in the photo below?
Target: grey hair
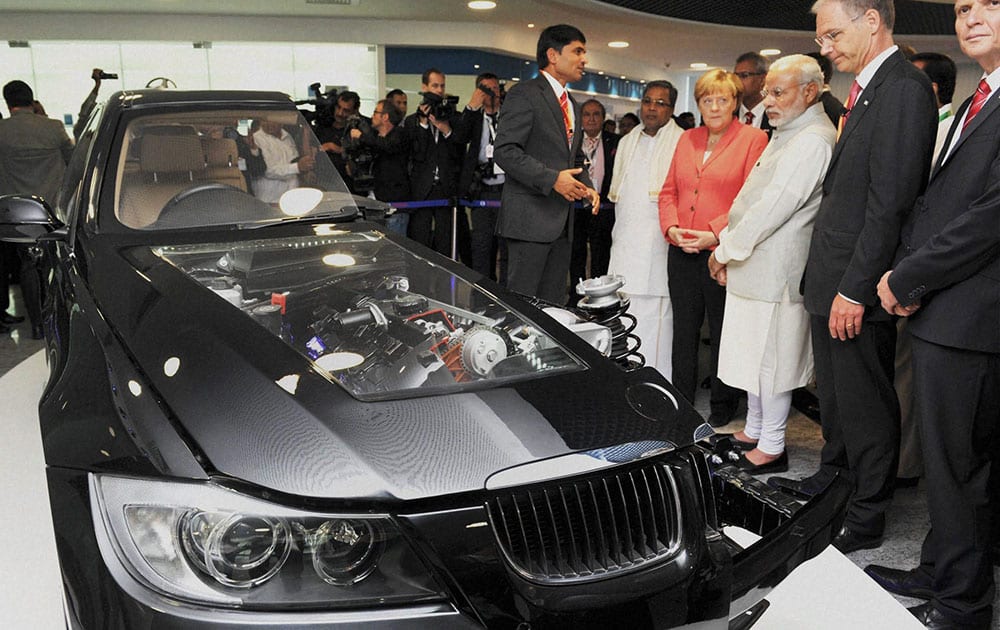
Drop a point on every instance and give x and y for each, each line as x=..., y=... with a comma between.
x=805, y=67
x=886, y=9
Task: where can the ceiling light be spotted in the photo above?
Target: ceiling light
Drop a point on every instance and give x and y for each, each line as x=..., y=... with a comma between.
x=482, y=5
x=622, y=76
x=698, y=65
x=618, y=44
x=600, y=72
x=770, y=52
x=531, y=25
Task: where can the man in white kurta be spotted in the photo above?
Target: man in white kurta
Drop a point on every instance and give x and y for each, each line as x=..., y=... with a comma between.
x=638, y=249
x=765, y=347
x=281, y=157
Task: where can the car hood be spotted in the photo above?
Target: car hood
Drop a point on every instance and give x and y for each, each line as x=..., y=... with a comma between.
x=259, y=410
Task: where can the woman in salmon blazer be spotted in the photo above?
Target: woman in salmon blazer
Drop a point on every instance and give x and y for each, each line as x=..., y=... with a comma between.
x=709, y=167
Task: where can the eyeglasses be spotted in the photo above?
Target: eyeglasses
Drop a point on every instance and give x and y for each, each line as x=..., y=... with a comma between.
x=831, y=37
x=659, y=102
x=746, y=75
x=777, y=92
x=377, y=111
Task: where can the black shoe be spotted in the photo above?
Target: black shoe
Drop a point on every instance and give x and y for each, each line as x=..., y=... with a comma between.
x=911, y=583
x=37, y=332
x=7, y=318
x=932, y=618
x=805, y=488
x=848, y=540
x=778, y=465
x=721, y=418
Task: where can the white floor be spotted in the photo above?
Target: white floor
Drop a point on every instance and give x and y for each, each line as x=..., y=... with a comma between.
x=827, y=593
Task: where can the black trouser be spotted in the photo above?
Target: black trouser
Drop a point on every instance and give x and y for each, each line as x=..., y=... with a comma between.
x=860, y=416
x=693, y=294
x=485, y=243
x=432, y=226
x=957, y=401
x=539, y=269
x=595, y=230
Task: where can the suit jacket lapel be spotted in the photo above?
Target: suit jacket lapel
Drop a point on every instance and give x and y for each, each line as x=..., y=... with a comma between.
x=726, y=139
x=867, y=96
x=989, y=108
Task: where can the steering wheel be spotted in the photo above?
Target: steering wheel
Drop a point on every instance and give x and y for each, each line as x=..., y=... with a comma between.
x=196, y=189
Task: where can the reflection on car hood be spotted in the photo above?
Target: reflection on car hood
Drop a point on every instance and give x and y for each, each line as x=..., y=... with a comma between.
x=261, y=411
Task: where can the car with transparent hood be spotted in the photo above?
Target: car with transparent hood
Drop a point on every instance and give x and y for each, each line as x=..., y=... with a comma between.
x=273, y=412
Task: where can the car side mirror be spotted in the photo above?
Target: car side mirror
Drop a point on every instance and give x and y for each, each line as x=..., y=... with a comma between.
x=24, y=218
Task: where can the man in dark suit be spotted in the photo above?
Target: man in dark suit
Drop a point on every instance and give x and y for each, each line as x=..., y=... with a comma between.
x=751, y=68
x=481, y=179
x=947, y=280
x=435, y=158
x=879, y=167
x=539, y=147
x=388, y=141
x=599, y=147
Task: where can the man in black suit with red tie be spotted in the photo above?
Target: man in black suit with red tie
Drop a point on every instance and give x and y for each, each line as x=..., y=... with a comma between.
x=878, y=169
x=947, y=281
x=752, y=69
x=599, y=147
x=538, y=147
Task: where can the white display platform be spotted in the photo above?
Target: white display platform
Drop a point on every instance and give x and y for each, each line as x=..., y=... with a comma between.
x=30, y=585
x=827, y=593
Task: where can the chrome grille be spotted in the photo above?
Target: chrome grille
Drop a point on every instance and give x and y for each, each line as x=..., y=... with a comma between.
x=590, y=527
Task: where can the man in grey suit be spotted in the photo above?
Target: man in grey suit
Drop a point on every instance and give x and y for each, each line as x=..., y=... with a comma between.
x=538, y=145
x=879, y=167
x=947, y=281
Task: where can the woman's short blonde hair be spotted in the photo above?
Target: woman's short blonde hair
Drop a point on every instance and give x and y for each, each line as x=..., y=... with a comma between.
x=718, y=80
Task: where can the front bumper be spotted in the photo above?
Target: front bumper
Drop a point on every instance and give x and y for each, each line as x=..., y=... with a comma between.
x=708, y=585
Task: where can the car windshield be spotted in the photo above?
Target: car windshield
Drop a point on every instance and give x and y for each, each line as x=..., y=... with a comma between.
x=371, y=314
x=224, y=167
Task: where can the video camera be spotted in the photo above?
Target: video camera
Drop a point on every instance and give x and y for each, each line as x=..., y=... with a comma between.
x=441, y=107
x=360, y=157
x=324, y=104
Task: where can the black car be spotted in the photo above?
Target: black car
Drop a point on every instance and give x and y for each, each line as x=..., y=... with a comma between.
x=263, y=409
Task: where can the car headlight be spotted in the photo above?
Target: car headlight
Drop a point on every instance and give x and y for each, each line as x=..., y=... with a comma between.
x=205, y=544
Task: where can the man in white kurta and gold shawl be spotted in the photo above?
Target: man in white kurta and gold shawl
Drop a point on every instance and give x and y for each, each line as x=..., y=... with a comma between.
x=765, y=347
x=638, y=248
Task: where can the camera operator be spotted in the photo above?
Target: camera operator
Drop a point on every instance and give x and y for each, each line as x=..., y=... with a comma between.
x=87, y=107
x=398, y=98
x=437, y=140
x=387, y=140
x=331, y=131
x=482, y=179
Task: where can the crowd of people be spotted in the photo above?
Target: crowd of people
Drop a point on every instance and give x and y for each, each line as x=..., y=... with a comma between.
x=856, y=245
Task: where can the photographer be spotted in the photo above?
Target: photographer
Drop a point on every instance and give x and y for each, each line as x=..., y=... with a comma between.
x=331, y=126
x=437, y=139
x=87, y=107
x=481, y=178
x=388, y=142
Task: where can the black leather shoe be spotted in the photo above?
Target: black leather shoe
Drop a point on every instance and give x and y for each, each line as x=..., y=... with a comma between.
x=848, y=540
x=7, y=318
x=932, y=618
x=911, y=583
x=805, y=488
x=778, y=465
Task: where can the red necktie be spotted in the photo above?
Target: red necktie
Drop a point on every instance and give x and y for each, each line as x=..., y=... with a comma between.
x=851, y=98
x=748, y=118
x=982, y=93
x=564, y=103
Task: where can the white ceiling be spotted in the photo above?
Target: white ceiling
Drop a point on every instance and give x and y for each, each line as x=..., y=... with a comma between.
x=658, y=45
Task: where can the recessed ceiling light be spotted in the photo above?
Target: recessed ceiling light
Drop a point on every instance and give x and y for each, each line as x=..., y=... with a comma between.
x=618, y=44
x=769, y=52
x=622, y=76
x=698, y=65
x=601, y=72
x=482, y=5
x=643, y=81
x=531, y=25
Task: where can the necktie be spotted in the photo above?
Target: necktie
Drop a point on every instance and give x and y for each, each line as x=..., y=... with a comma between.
x=851, y=99
x=982, y=93
x=564, y=103
x=590, y=148
x=748, y=119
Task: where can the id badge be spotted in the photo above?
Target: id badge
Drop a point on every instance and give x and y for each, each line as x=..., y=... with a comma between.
x=489, y=151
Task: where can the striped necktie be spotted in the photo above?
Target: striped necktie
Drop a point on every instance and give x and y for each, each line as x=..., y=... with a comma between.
x=982, y=93
x=851, y=99
x=564, y=103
